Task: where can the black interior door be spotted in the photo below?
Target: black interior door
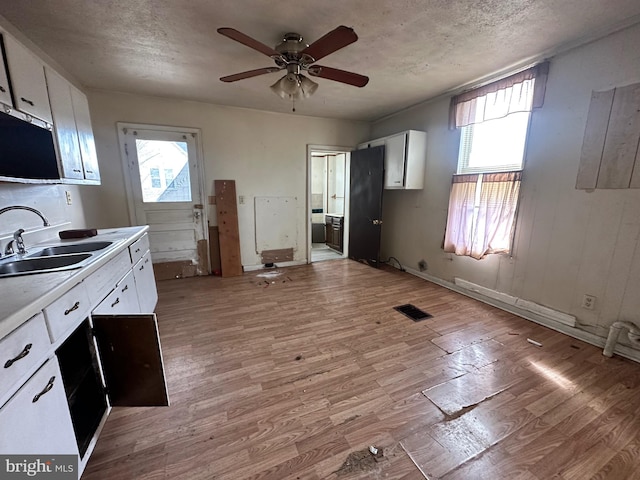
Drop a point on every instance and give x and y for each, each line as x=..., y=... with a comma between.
x=131, y=359
x=365, y=204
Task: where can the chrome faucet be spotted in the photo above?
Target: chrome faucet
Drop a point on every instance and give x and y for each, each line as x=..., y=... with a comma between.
x=19, y=243
x=17, y=235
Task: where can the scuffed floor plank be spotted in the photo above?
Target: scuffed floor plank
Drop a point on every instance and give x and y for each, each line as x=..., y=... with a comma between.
x=286, y=381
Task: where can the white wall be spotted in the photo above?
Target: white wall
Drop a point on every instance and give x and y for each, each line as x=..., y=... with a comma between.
x=50, y=200
x=265, y=153
x=568, y=242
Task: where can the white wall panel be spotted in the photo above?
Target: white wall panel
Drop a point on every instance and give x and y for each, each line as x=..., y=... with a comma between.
x=568, y=242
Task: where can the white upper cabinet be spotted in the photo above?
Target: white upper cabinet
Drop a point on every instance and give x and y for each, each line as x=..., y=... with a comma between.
x=72, y=124
x=27, y=80
x=5, y=93
x=85, y=135
x=64, y=125
x=404, y=159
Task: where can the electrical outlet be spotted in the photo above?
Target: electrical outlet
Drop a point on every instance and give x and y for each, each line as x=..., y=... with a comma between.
x=422, y=265
x=588, y=302
x=241, y=199
x=68, y=194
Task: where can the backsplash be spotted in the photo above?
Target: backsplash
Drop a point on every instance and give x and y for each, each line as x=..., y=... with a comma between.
x=49, y=199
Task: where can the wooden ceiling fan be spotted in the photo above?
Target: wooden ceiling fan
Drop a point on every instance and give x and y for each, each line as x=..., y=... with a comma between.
x=295, y=56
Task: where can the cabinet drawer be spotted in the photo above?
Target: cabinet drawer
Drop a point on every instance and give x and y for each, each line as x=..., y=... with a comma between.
x=67, y=312
x=21, y=351
x=36, y=420
x=139, y=248
x=123, y=298
x=102, y=281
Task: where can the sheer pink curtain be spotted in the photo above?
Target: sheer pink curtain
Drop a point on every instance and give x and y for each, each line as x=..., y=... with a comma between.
x=459, y=233
x=516, y=93
x=478, y=227
x=496, y=213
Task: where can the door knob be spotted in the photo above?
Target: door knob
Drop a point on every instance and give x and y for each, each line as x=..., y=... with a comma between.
x=196, y=214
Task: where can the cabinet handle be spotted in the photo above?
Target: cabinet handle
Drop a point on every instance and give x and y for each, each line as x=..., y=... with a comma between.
x=137, y=250
x=22, y=354
x=126, y=287
x=48, y=387
x=75, y=307
x=146, y=261
x=141, y=268
x=26, y=100
x=89, y=171
x=77, y=170
x=2, y=89
x=116, y=302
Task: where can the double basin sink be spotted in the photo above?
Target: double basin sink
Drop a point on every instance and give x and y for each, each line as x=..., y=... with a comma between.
x=51, y=259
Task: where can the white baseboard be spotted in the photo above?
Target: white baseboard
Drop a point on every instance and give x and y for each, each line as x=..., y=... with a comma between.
x=527, y=305
x=504, y=302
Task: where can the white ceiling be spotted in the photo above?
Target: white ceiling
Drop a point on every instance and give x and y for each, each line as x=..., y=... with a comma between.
x=412, y=50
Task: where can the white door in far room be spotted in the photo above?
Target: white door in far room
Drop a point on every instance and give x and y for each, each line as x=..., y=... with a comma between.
x=165, y=193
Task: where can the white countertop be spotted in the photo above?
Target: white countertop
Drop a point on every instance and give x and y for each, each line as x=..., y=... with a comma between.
x=24, y=296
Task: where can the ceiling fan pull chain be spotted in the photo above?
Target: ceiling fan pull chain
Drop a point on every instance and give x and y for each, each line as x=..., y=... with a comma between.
x=293, y=104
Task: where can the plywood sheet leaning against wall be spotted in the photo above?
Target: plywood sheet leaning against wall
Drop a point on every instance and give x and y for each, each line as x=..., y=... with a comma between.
x=229, y=235
x=610, y=157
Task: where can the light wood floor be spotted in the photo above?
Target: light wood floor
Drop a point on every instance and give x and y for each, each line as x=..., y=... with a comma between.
x=296, y=379
x=321, y=252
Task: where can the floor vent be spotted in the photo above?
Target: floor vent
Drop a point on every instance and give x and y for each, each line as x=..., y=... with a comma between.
x=413, y=312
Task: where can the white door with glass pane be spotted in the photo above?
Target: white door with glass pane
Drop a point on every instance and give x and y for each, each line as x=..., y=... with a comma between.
x=165, y=191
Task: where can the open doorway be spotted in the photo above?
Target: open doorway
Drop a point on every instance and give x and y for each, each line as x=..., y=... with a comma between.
x=327, y=203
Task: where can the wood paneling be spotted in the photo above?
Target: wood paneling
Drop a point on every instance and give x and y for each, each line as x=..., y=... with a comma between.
x=594, y=136
x=297, y=379
x=229, y=234
x=621, y=144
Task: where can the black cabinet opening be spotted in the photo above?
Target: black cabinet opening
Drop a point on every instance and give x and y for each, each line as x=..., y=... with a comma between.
x=82, y=383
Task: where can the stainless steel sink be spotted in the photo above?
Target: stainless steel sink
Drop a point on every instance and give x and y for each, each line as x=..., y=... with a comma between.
x=74, y=248
x=23, y=266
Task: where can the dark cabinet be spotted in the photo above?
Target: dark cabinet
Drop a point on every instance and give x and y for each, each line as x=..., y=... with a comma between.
x=127, y=352
x=334, y=231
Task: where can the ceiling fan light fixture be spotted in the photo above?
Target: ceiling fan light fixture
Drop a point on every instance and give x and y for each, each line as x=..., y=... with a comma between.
x=307, y=86
x=294, y=86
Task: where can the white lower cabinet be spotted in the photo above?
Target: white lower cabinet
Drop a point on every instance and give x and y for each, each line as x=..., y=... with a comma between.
x=36, y=420
x=146, y=284
x=107, y=354
x=123, y=298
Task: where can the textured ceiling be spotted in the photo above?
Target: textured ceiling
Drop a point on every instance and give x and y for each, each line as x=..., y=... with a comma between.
x=411, y=50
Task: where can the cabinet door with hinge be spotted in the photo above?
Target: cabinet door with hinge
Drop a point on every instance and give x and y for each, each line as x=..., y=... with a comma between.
x=85, y=135
x=394, y=161
x=28, y=84
x=145, y=284
x=36, y=420
x=131, y=359
x=5, y=93
x=64, y=123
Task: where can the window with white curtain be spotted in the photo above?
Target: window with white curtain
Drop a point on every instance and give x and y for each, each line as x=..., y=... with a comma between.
x=494, y=121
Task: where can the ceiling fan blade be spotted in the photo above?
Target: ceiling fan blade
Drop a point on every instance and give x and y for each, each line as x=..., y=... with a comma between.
x=234, y=34
x=332, y=41
x=337, y=75
x=249, y=74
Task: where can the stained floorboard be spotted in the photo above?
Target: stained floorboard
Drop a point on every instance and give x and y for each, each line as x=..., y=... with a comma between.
x=295, y=376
